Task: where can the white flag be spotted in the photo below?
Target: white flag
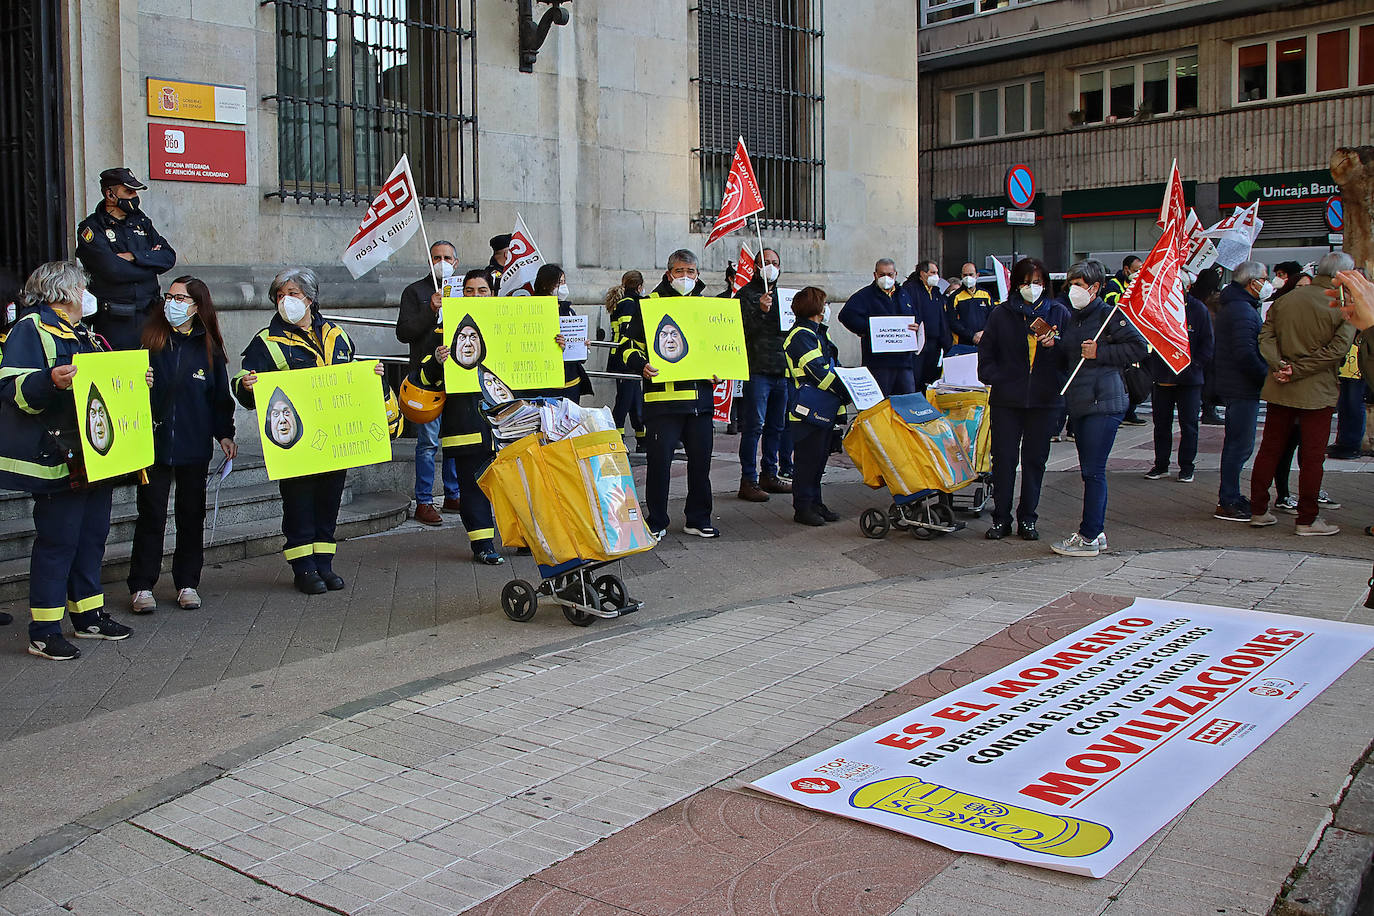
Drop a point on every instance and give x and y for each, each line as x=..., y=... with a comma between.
x=1235, y=235
x=999, y=270
x=525, y=260
x=388, y=224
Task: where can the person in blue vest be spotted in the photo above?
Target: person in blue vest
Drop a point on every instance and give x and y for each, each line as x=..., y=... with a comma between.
x=967, y=312
x=299, y=337
x=895, y=373
x=811, y=362
x=923, y=286
x=40, y=452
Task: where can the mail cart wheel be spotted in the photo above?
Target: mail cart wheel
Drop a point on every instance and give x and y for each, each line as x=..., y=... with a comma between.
x=921, y=533
x=942, y=514
x=519, y=600
x=611, y=588
x=873, y=523
x=583, y=594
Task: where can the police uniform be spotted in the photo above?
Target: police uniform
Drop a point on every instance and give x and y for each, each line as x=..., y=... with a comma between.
x=673, y=412
x=126, y=290
x=494, y=270
x=811, y=361
x=71, y=519
x=310, y=504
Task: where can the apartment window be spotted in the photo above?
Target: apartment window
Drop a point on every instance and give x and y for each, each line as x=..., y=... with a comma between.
x=999, y=111
x=1157, y=86
x=1324, y=59
x=360, y=82
x=936, y=11
x=760, y=77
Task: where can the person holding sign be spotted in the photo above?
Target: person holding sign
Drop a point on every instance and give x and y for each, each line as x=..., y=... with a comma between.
x=629, y=393
x=895, y=371
x=551, y=281
x=923, y=287
x=192, y=408
x=298, y=337
x=41, y=452
x=674, y=412
x=817, y=405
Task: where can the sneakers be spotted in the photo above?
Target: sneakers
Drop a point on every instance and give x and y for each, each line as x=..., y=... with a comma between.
x=660, y=534
x=103, y=627
x=750, y=492
x=426, y=514
x=1075, y=545
x=54, y=647
x=706, y=532
x=1288, y=504
x=1027, y=532
x=1326, y=502
x=1157, y=473
x=1100, y=542
x=188, y=599
x=1231, y=513
x=487, y=557
x=142, y=602
x=1185, y=476
x=774, y=485
x=1319, y=528
x=1263, y=521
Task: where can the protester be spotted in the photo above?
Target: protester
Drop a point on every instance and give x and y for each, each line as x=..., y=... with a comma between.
x=1118, y=283
x=895, y=373
x=923, y=288
x=466, y=436
x=1181, y=391
x=40, y=453
x=1024, y=400
x=193, y=409
x=763, y=409
x=967, y=312
x=817, y=401
x=1350, y=413
x=1304, y=343
x=1207, y=290
x=417, y=320
x=629, y=392
x=125, y=255
x=1096, y=398
x=674, y=412
x=1240, y=372
x=500, y=260
x=299, y=337
x=550, y=280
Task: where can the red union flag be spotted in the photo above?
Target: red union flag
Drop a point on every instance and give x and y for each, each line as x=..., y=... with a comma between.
x=1155, y=303
x=742, y=197
x=388, y=223
x=744, y=270
x=1172, y=209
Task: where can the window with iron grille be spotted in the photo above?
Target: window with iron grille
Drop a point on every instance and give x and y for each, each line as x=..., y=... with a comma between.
x=361, y=82
x=760, y=77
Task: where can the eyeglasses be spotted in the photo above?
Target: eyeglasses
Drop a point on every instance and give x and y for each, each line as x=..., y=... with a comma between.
x=184, y=300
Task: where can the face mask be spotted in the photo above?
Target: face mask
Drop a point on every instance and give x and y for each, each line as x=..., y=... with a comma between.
x=886, y=283
x=128, y=204
x=176, y=312
x=684, y=285
x=969, y=282
x=1266, y=290
x=445, y=269
x=1032, y=292
x=932, y=279
x=770, y=272
x=291, y=309
x=562, y=291
x=89, y=304
x=1079, y=297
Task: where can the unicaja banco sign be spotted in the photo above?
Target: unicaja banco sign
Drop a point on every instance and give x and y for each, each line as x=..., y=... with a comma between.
x=1282, y=188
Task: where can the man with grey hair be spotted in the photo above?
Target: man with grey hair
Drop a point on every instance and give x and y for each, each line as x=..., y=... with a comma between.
x=884, y=297
x=1303, y=342
x=1238, y=373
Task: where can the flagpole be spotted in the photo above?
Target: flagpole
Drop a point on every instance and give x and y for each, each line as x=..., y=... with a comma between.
x=425, y=235
x=758, y=228
x=1083, y=359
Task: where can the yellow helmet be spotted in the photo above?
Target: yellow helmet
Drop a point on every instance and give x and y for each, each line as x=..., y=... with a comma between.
x=420, y=404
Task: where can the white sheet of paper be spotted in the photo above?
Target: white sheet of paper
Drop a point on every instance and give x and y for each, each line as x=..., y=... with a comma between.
x=861, y=385
x=892, y=334
x=782, y=298
x=962, y=371
x=574, y=331
x=226, y=468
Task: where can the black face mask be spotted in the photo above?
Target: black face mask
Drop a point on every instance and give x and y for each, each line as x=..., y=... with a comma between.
x=128, y=204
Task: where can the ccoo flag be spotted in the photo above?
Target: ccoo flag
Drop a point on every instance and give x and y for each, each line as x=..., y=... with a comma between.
x=389, y=223
x=1154, y=302
x=742, y=197
x=744, y=270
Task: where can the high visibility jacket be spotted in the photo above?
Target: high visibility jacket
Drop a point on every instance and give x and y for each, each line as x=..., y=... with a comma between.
x=694, y=397
x=462, y=428
x=811, y=360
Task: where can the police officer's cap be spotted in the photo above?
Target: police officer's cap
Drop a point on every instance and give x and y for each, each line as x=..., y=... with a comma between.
x=500, y=242
x=111, y=177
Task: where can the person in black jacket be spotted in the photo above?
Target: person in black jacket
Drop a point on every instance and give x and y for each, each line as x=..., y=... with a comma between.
x=550, y=280
x=895, y=373
x=1025, y=398
x=629, y=393
x=763, y=409
x=1181, y=392
x=1106, y=343
x=1239, y=371
x=418, y=317
x=923, y=287
x=125, y=255
x=192, y=407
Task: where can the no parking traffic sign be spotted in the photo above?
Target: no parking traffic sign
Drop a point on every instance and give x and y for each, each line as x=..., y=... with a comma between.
x=1020, y=186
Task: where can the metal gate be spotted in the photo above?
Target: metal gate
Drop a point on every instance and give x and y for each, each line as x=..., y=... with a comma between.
x=34, y=225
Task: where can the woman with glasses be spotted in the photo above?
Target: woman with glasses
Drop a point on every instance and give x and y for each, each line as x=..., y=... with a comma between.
x=193, y=410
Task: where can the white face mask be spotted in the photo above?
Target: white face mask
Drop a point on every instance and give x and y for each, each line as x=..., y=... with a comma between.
x=89, y=304
x=770, y=272
x=291, y=309
x=1032, y=292
x=885, y=282
x=562, y=291
x=932, y=279
x=1266, y=291
x=1079, y=297
x=684, y=285
x=969, y=282
x=445, y=269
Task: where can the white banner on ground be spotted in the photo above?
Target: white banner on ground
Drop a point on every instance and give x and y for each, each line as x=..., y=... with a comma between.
x=862, y=386
x=574, y=331
x=893, y=334
x=1072, y=757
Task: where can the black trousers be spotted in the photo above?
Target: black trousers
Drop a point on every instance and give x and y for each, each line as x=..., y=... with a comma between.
x=810, y=451
x=695, y=433
x=145, y=564
x=309, y=514
x=1020, y=436
x=473, y=506
x=70, y=527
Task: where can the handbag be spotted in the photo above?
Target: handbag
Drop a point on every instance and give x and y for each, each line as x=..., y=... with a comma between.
x=816, y=407
x=1139, y=385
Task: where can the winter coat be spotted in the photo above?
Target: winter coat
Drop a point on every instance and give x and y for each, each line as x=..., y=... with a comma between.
x=1238, y=369
x=1099, y=387
x=282, y=346
x=1304, y=331
x=871, y=302
x=930, y=311
x=192, y=405
x=811, y=361
x=764, y=334
x=1199, y=348
x=690, y=397
x=968, y=314
x=415, y=320
x=1004, y=354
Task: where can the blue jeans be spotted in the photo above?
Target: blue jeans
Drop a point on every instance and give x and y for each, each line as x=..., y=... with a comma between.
x=1350, y=415
x=1242, y=414
x=426, y=447
x=1187, y=399
x=763, y=415
x=1094, y=435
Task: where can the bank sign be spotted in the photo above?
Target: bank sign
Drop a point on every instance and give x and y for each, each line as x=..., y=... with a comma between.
x=968, y=211
x=1282, y=188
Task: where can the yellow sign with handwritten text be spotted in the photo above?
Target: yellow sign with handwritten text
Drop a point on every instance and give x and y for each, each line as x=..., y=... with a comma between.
x=114, y=412
x=323, y=419
x=500, y=345
x=692, y=338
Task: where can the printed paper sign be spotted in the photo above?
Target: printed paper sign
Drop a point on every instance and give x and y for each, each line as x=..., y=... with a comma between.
x=786, y=317
x=862, y=386
x=893, y=334
x=694, y=337
x=114, y=412
x=501, y=344
x=1073, y=756
x=961, y=371
x=323, y=419
x=574, y=331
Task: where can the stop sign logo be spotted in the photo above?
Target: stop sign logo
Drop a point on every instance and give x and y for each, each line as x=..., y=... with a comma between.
x=815, y=785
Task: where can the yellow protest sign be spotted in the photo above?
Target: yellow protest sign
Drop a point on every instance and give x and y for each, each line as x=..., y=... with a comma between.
x=323, y=419
x=114, y=412
x=510, y=337
x=691, y=338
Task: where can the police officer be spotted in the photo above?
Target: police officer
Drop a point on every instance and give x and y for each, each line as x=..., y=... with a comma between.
x=124, y=255
x=500, y=260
